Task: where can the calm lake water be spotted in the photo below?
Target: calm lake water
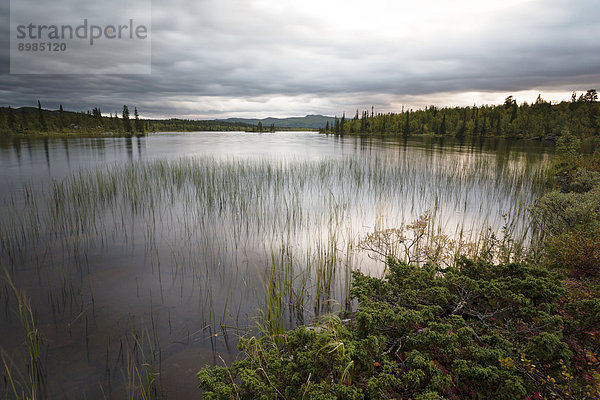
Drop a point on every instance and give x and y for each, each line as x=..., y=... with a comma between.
x=153, y=255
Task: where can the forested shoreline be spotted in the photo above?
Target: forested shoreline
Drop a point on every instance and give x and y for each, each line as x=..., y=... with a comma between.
x=39, y=121
x=540, y=120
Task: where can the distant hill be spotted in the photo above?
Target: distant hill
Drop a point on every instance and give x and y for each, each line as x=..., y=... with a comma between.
x=307, y=122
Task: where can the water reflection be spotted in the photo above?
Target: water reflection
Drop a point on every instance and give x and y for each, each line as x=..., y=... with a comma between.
x=46, y=152
x=65, y=143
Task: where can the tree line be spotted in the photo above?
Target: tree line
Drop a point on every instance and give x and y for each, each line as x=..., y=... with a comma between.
x=32, y=120
x=541, y=119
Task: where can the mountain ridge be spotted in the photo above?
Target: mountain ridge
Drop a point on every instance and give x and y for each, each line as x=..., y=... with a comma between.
x=310, y=121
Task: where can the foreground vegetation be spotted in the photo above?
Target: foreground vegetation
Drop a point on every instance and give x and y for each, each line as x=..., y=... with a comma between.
x=506, y=325
x=476, y=330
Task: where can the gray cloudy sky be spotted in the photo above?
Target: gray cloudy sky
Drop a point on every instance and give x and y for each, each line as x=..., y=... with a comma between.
x=221, y=58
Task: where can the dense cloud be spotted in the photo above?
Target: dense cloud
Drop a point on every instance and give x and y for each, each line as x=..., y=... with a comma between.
x=214, y=58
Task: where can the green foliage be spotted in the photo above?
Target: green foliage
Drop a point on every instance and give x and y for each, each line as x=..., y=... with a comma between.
x=568, y=147
x=126, y=122
x=569, y=217
x=317, y=363
x=186, y=125
x=475, y=330
x=139, y=126
x=541, y=120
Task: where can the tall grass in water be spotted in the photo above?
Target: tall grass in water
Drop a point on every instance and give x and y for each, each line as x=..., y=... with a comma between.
x=141, y=369
x=271, y=321
x=32, y=384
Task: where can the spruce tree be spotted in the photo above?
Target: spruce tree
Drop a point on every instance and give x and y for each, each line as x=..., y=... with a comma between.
x=513, y=114
x=484, y=125
x=591, y=96
x=41, y=117
x=61, y=118
x=139, y=127
x=12, y=120
x=363, y=122
x=126, y=121
x=463, y=126
x=498, y=128
x=407, y=124
x=443, y=125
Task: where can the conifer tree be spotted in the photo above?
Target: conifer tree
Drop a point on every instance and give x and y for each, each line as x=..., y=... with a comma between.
x=12, y=120
x=443, y=125
x=41, y=117
x=139, y=127
x=363, y=122
x=484, y=125
x=513, y=114
x=407, y=124
x=61, y=118
x=126, y=121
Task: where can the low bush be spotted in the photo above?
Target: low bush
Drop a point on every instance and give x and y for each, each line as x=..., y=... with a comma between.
x=475, y=330
x=568, y=218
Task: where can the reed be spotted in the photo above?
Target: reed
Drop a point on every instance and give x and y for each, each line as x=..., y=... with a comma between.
x=32, y=384
x=141, y=369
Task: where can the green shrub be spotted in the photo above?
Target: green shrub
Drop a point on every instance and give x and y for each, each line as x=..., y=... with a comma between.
x=476, y=330
x=569, y=218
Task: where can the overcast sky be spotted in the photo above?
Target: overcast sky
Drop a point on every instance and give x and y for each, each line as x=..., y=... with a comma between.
x=259, y=58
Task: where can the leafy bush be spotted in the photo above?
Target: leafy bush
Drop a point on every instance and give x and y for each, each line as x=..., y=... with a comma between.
x=475, y=330
x=569, y=218
x=558, y=213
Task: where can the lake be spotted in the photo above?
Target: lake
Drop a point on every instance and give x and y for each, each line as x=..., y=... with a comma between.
x=144, y=259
